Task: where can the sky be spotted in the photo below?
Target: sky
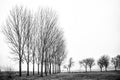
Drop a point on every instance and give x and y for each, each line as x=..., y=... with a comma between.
x=91, y=27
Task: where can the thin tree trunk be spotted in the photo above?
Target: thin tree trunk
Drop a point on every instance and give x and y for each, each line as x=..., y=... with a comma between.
x=101, y=69
x=20, y=67
x=53, y=68
x=33, y=64
x=105, y=68
x=42, y=63
x=86, y=69
x=38, y=68
x=50, y=69
x=115, y=68
x=27, y=68
x=28, y=64
x=90, y=69
x=59, y=69
x=45, y=63
x=55, y=64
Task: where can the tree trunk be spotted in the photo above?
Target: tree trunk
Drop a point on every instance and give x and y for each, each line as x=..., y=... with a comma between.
x=38, y=68
x=45, y=63
x=105, y=68
x=33, y=65
x=101, y=69
x=115, y=68
x=53, y=68
x=28, y=55
x=69, y=69
x=42, y=63
x=90, y=69
x=50, y=68
x=59, y=69
x=20, y=67
x=85, y=68
x=27, y=68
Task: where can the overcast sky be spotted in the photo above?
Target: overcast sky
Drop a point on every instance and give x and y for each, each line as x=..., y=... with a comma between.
x=91, y=27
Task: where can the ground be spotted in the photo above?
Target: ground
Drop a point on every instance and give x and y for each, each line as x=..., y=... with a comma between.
x=73, y=76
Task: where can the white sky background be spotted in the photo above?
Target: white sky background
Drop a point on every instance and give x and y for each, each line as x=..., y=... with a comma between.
x=92, y=27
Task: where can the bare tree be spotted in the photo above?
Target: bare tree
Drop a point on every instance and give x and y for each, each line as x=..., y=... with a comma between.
x=33, y=45
x=91, y=63
x=48, y=41
x=15, y=31
x=36, y=39
x=28, y=44
x=70, y=64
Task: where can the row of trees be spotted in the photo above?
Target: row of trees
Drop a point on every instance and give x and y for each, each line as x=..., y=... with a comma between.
x=35, y=38
x=103, y=62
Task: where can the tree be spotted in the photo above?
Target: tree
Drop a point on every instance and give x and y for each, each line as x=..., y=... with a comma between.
x=114, y=61
x=36, y=39
x=28, y=44
x=100, y=64
x=85, y=63
x=118, y=59
x=91, y=63
x=70, y=64
x=50, y=42
x=15, y=31
x=61, y=59
x=34, y=46
x=105, y=60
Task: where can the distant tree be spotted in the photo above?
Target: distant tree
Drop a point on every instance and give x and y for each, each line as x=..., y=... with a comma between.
x=85, y=63
x=114, y=61
x=118, y=59
x=70, y=64
x=105, y=60
x=100, y=64
x=91, y=63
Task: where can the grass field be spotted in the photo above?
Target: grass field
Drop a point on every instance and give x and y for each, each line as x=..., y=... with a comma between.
x=69, y=76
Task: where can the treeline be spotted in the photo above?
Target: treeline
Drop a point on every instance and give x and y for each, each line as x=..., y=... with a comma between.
x=103, y=62
x=36, y=38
